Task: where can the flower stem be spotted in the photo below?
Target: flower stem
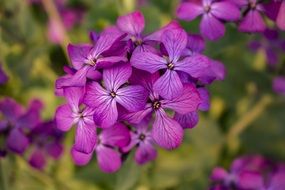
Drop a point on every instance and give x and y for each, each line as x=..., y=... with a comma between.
x=3, y=177
x=54, y=15
x=248, y=118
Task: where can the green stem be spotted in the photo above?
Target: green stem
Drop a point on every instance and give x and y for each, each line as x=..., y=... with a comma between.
x=245, y=121
x=3, y=177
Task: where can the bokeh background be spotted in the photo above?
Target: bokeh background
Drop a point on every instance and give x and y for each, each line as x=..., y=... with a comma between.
x=246, y=116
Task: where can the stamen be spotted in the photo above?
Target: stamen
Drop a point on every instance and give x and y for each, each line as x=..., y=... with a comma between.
x=207, y=8
x=113, y=94
x=142, y=137
x=156, y=105
x=170, y=66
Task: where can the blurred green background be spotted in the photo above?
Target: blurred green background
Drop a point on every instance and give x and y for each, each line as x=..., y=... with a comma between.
x=245, y=117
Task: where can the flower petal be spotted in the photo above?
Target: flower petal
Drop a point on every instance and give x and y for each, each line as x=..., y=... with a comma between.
x=205, y=99
x=63, y=117
x=148, y=61
x=55, y=149
x=76, y=80
x=133, y=98
x=80, y=158
x=169, y=85
x=219, y=174
x=116, y=76
x=187, y=102
x=145, y=153
x=85, y=138
x=280, y=21
x=10, y=109
x=250, y=180
x=106, y=62
x=211, y=27
x=74, y=96
x=107, y=114
x=279, y=85
x=225, y=10
x=137, y=117
x=189, y=120
x=166, y=132
x=95, y=95
x=195, y=43
x=108, y=159
x=196, y=65
x=252, y=22
x=175, y=42
x=132, y=23
x=78, y=54
x=17, y=141
x=37, y=159
x=118, y=135
x=189, y=11
x=106, y=40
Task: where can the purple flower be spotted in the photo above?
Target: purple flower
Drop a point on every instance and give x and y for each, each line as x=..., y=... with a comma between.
x=46, y=142
x=279, y=85
x=110, y=141
x=100, y=55
x=75, y=113
x=169, y=84
x=166, y=131
x=252, y=20
x=213, y=12
x=3, y=76
x=272, y=44
x=104, y=100
x=280, y=20
x=19, y=122
x=133, y=24
x=142, y=139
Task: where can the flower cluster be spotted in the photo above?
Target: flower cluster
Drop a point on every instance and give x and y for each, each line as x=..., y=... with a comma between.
x=22, y=129
x=248, y=14
x=272, y=44
x=249, y=172
x=127, y=90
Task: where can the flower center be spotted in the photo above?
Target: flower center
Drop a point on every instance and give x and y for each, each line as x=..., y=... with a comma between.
x=142, y=137
x=92, y=61
x=252, y=5
x=207, y=8
x=113, y=94
x=138, y=41
x=170, y=66
x=156, y=105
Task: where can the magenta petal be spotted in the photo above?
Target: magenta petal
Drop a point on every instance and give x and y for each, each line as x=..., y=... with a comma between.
x=279, y=85
x=10, y=109
x=106, y=40
x=95, y=95
x=196, y=43
x=189, y=11
x=80, y=158
x=74, y=96
x=17, y=141
x=106, y=115
x=3, y=125
x=116, y=76
x=205, y=99
x=166, y=132
x=78, y=79
x=280, y=21
x=145, y=153
x=156, y=36
x=132, y=23
x=63, y=117
x=219, y=174
x=118, y=135
x=137, y=117
x=252, y=22
x=148, y=61
x=175, y=42
x=78, y=54
x=189, y=120
x=109, y=160
x=106, y=62
x=250, y=180
x=85, y=138
x=37, y=159
x=55, y=150
x=196, y=65
x=211, y=27
x=169, y=85
x=225, y=10
x=187, y=102
x=133, y=98
x=94, y=75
